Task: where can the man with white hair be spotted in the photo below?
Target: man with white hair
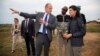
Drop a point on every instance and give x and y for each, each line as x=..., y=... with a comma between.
x=45, y=23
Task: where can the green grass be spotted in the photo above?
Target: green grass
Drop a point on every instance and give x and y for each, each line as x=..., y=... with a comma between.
x=6, y=41
x=93, y=28
x=91, y=48
x=5, y=27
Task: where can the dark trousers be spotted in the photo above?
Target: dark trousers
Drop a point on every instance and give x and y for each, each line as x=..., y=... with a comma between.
x=29, y=44
x=42, y=41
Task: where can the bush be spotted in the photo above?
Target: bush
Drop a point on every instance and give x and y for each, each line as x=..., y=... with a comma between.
x=93, y=28
x=5, y=27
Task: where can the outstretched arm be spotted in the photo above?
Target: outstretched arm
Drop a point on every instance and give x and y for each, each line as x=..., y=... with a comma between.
x=31, y=16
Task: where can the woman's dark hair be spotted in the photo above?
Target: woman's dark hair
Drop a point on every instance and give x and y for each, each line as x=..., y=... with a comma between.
x=76, y=9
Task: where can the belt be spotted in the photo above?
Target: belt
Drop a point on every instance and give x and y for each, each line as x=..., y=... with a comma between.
x=41, y=33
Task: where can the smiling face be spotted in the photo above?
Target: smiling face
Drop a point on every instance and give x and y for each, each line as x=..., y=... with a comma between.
x=72, y=12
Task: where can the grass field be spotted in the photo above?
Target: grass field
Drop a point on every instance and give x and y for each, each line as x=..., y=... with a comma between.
x=91, y=40
x=93, y=28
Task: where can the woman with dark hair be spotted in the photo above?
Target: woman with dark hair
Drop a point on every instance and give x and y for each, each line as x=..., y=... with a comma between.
x=76, y=30
x=15, y=31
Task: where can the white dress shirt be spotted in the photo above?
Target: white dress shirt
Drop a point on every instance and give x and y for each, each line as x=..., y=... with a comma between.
x=41, y=27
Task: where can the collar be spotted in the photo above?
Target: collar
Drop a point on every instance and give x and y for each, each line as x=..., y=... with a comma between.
x=27, y=19
x=46, y=13
x=63, y=15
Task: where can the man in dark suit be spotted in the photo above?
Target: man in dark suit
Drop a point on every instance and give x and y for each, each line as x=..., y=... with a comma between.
x=45, y=23
x=28, y=31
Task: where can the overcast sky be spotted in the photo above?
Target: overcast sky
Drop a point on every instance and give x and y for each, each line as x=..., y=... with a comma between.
x=91, y=8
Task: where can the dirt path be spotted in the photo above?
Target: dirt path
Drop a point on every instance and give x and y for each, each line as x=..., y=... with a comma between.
x=92, y=44
x=92, y=36
x=91, y=48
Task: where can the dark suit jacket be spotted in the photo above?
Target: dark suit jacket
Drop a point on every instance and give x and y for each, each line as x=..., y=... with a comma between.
x=51, y=22
x=31, y=28
x=77, y=29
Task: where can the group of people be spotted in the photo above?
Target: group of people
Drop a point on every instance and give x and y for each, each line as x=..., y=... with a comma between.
x=70, y=30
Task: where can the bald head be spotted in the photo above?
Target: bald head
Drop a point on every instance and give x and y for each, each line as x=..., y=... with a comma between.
x=48, y=8
x=64, y=10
